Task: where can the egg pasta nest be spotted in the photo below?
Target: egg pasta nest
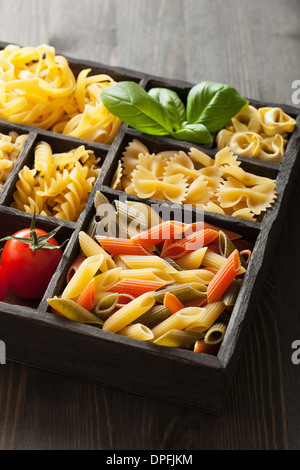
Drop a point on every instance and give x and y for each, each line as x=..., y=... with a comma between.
x=38, y=88
x=216, y=184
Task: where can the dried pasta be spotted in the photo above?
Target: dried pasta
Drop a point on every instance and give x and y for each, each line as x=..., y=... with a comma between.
x=260, y=133
x=58, y=184
x=153, y=298
x=41, y=90
x=11, y=145
x=193, y=178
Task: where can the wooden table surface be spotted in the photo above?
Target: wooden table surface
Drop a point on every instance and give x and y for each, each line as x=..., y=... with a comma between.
x=253, y=46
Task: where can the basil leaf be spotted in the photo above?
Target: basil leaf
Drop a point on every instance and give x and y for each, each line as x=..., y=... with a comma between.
x=132, y=104
x=195, y=133
x=213, y=104
x=171, y=102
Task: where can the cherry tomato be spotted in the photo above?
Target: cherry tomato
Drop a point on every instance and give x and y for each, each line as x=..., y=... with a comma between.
x=3, y=284
x=29, y=272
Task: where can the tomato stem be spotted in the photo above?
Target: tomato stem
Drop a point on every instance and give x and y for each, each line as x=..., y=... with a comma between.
x=36, y=242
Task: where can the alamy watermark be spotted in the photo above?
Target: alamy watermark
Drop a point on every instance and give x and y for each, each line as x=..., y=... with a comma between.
x=296, y=354
x=2, y=353
x=296, y=93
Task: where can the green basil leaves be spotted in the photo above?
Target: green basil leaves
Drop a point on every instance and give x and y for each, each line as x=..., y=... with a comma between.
x=161, y=112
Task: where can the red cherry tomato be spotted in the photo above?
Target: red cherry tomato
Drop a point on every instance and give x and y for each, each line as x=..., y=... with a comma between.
x=29, y=272
x=3, y=284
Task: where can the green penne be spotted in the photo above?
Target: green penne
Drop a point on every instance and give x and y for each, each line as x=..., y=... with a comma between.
x=174, y=264
x=231, y=293
x=215, y=333
x=178, y=339
x=105, y=306
x=154, y=316
x=183, y=292
x=73, y=311
x=227, y=247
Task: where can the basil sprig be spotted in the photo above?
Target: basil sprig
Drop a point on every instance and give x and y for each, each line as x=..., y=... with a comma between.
x=161, y=112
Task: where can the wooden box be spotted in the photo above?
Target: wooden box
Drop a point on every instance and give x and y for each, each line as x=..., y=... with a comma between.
x=34, y=336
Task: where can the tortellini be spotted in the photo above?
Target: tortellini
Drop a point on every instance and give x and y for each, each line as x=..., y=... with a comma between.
x=259, y=133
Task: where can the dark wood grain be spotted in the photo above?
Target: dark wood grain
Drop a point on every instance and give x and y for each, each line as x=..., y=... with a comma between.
x=255, y=47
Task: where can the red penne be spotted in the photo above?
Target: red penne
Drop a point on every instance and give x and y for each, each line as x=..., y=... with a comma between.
x=121, y=246
x=74, y=266
x=88, y=297
x=201, y=347
x=195, y=226
x=136, y=287
x=172, y=302
x=124, y=299
x=192, y=242
x=224, y=277
x=165, y=231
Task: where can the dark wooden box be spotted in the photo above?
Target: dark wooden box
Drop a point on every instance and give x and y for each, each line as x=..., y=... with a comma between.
x=34, y=336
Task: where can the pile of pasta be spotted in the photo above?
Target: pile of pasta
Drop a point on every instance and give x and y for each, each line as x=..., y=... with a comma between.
x=216, y=184
x=259, y=133
x=38, y=88
x=11, y=146
x=170, y=283
x=59, y=184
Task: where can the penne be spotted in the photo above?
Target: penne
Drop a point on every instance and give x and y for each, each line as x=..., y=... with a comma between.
x=136, y=287
x=137, y=331
x=214, y=260
x=178, y=339
x=215, y=333
x=179, y=320
x=106, y=280
x=210, y=314
x=183, y=292
x=70, y=309
x=147, y=274
x=202, y=276
x=91, y=248
x=224, y=277
x=166, y=230
x=129, y=313
x=82, y=277
x=151, y=261
x=123, y=246
x=154, y=316
x=192, y=260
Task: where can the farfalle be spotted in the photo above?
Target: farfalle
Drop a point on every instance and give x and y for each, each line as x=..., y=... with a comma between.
x=225, y=157
x=172, y=188
x=200, y=159
x=257, y=198
x=198, y=193
x=244, y=177
x=275, y=121
x=181, y=163
x=152, y=162
x=117, y=178
x=130, y=157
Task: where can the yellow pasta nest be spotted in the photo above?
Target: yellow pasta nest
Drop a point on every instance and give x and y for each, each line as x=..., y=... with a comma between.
x=10, y=149
x=59, y=184
x=216, y=184
x=39, y=89
x=257, y=133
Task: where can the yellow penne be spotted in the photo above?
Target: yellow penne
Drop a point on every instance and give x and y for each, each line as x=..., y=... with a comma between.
x=192, y=260
x=194, y=275
x=106, y=280
x=147, y=274
x=129, y=313
x=137, y=331
x=91, y=248
x=179, y=320
x=149, y=261
x=214, y=260
x=82, y=276
x=209, y=315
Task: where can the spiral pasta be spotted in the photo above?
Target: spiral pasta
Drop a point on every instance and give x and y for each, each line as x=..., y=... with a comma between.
x=59, y=184
x=10, y=149
x=41, y=90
